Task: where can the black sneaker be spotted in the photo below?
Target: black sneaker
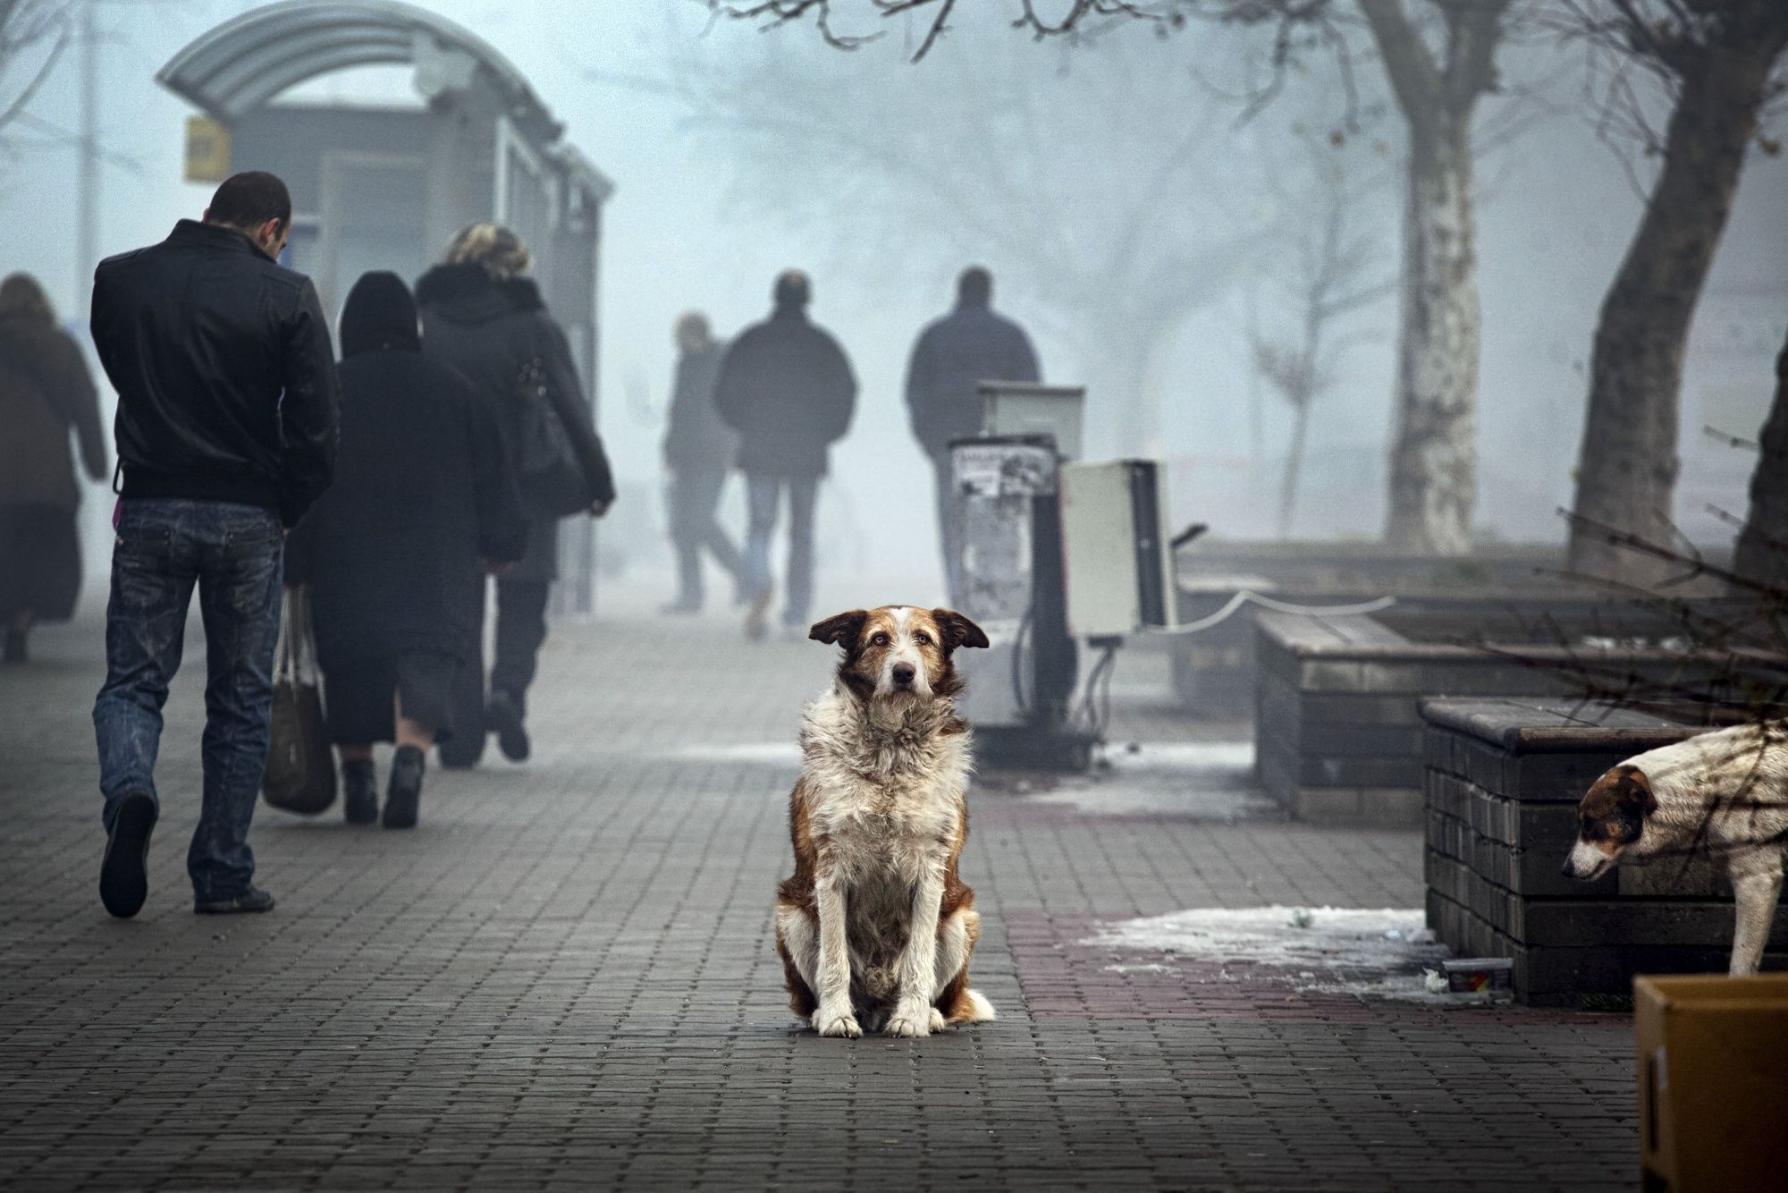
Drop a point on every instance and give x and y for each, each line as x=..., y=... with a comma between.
x=404, y=793
x=253, y=899
x=124, y=874
x=359, y=792
x=505, y=716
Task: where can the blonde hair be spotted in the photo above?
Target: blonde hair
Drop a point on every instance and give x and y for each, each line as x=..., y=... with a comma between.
x=21, y=295
x=496, y=248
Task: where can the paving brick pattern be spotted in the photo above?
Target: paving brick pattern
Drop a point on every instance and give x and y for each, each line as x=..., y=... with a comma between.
x=563, y=979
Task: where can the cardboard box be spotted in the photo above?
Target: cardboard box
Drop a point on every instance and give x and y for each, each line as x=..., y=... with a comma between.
x=1713, y=1082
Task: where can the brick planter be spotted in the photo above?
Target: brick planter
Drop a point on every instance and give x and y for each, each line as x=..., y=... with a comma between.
x=1502, y=781
x=1338, y=725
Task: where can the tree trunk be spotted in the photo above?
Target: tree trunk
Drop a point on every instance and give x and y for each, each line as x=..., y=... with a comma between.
x=1434, y=460
x=1294, y=466
x=1626, y=472
x=1763, y=544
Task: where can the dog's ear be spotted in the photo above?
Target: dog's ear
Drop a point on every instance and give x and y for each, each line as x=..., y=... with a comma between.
x=958, y=630
x=842, y=628
x=1635, y=791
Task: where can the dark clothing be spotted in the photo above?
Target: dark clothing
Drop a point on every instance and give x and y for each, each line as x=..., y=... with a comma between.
x=694, y=498
x=521, y=629
x=232, y=553
x=357, y=696
x=44, y=391
x=763, y=494
x=422, y=495
x=40, y=562
x=697, y=437
x=225, y=378
x=491, y=331
x=787, y=388
x=953, y=355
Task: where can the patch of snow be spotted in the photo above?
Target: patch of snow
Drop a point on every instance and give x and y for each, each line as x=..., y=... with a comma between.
x=1374, y=952
x=764, y=753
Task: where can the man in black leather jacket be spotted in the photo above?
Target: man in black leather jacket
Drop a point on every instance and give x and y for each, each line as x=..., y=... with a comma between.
x=226, y=428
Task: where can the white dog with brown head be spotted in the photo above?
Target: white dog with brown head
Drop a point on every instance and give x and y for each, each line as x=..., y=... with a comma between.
x=1724, y=794
x=875, y=927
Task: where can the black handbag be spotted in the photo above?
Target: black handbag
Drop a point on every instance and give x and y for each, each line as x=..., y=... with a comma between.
x=300, y=774
x=548, y=474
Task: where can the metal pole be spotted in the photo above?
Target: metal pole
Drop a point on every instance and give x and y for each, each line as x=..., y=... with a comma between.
x=88, y=183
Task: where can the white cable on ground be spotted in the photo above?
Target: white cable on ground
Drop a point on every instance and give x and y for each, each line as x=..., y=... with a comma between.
x=1245, y=597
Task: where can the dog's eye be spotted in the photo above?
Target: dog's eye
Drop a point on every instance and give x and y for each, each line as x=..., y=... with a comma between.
x=922, y=638
x=880, y=640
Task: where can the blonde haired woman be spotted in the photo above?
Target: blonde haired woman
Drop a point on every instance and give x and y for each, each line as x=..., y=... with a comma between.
x=483, y=315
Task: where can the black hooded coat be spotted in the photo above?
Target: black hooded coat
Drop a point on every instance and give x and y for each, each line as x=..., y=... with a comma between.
x=491, y=331
x=394, y=549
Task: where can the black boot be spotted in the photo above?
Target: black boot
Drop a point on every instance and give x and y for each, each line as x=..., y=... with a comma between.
x=405, y=791
x=505, y=716
x=359, y=792
x=14, y=650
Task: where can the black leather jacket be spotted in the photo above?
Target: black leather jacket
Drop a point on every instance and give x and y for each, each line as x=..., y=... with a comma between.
x=225, y=376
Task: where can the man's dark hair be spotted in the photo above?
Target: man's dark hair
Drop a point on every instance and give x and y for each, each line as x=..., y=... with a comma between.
x=250, y=200
x=792, y=289
x=975, y=285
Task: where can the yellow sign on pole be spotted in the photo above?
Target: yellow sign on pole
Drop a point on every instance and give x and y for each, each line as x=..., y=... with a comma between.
x=207, y=150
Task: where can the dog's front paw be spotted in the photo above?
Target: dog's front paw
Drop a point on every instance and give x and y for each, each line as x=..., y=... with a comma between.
x=830, y=1022
x=911, y=1021
x=937, y=1020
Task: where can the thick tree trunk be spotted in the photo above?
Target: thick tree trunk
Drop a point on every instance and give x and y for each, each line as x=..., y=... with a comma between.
x=1763, y=544
x=1434, y=460
x=1626, y=472
x=1294, y=466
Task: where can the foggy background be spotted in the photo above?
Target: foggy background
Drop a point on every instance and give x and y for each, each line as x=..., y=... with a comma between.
x=1134, y=223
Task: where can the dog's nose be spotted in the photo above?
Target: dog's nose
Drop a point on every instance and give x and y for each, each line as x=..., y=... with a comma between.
x=1568, y=870
x=903, y=674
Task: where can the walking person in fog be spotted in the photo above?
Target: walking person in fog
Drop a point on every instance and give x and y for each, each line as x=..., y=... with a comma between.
x=788, y=390
x=44, y=391
x=481, y=315
x=226, y=433
x=952, y=357
x=698, y=450
x=395, y=552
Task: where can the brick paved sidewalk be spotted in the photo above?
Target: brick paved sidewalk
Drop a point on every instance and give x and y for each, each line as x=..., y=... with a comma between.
x=563, y=977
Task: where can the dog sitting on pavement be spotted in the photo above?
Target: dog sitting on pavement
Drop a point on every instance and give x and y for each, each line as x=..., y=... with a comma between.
x=875, y=927
x=1723, y=793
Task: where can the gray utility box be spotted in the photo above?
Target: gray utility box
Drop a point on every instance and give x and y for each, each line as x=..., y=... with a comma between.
x=1026, y=408
x=1118, y=556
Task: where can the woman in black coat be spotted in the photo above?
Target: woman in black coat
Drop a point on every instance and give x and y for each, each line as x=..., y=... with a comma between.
x=44, y=391
x=483, y=316
x=396, y=550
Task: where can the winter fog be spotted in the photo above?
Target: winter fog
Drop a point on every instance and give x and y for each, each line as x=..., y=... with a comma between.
x=1152, y=227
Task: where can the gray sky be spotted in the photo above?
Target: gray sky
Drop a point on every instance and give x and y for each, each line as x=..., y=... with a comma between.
x=1556, y=214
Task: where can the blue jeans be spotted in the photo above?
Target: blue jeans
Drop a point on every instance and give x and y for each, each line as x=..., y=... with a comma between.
x=763, y=494
x=234, y=553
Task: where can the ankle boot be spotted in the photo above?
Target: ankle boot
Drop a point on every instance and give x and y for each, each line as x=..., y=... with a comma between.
x=404, y=793
x=359, y=792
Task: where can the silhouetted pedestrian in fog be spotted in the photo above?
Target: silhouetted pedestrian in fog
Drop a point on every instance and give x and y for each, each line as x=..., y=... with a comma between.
x=226, y=432
x=396, y=550
x=698, y=450
x=44, y=391
x=788, y=389
x=952, y=357
x=481, y=315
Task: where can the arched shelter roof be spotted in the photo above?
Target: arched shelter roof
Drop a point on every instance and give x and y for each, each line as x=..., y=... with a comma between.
x=243, y=63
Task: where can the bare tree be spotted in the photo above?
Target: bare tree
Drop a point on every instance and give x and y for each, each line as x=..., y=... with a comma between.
x=1330, y=283
x=1719, y=63
x=33, y=35
x=1439, y=64
x=1763, y=543
x=1106, y=190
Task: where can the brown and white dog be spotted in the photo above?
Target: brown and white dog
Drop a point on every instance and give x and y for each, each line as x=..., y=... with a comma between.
x=1722, y=793
x=875, y=927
